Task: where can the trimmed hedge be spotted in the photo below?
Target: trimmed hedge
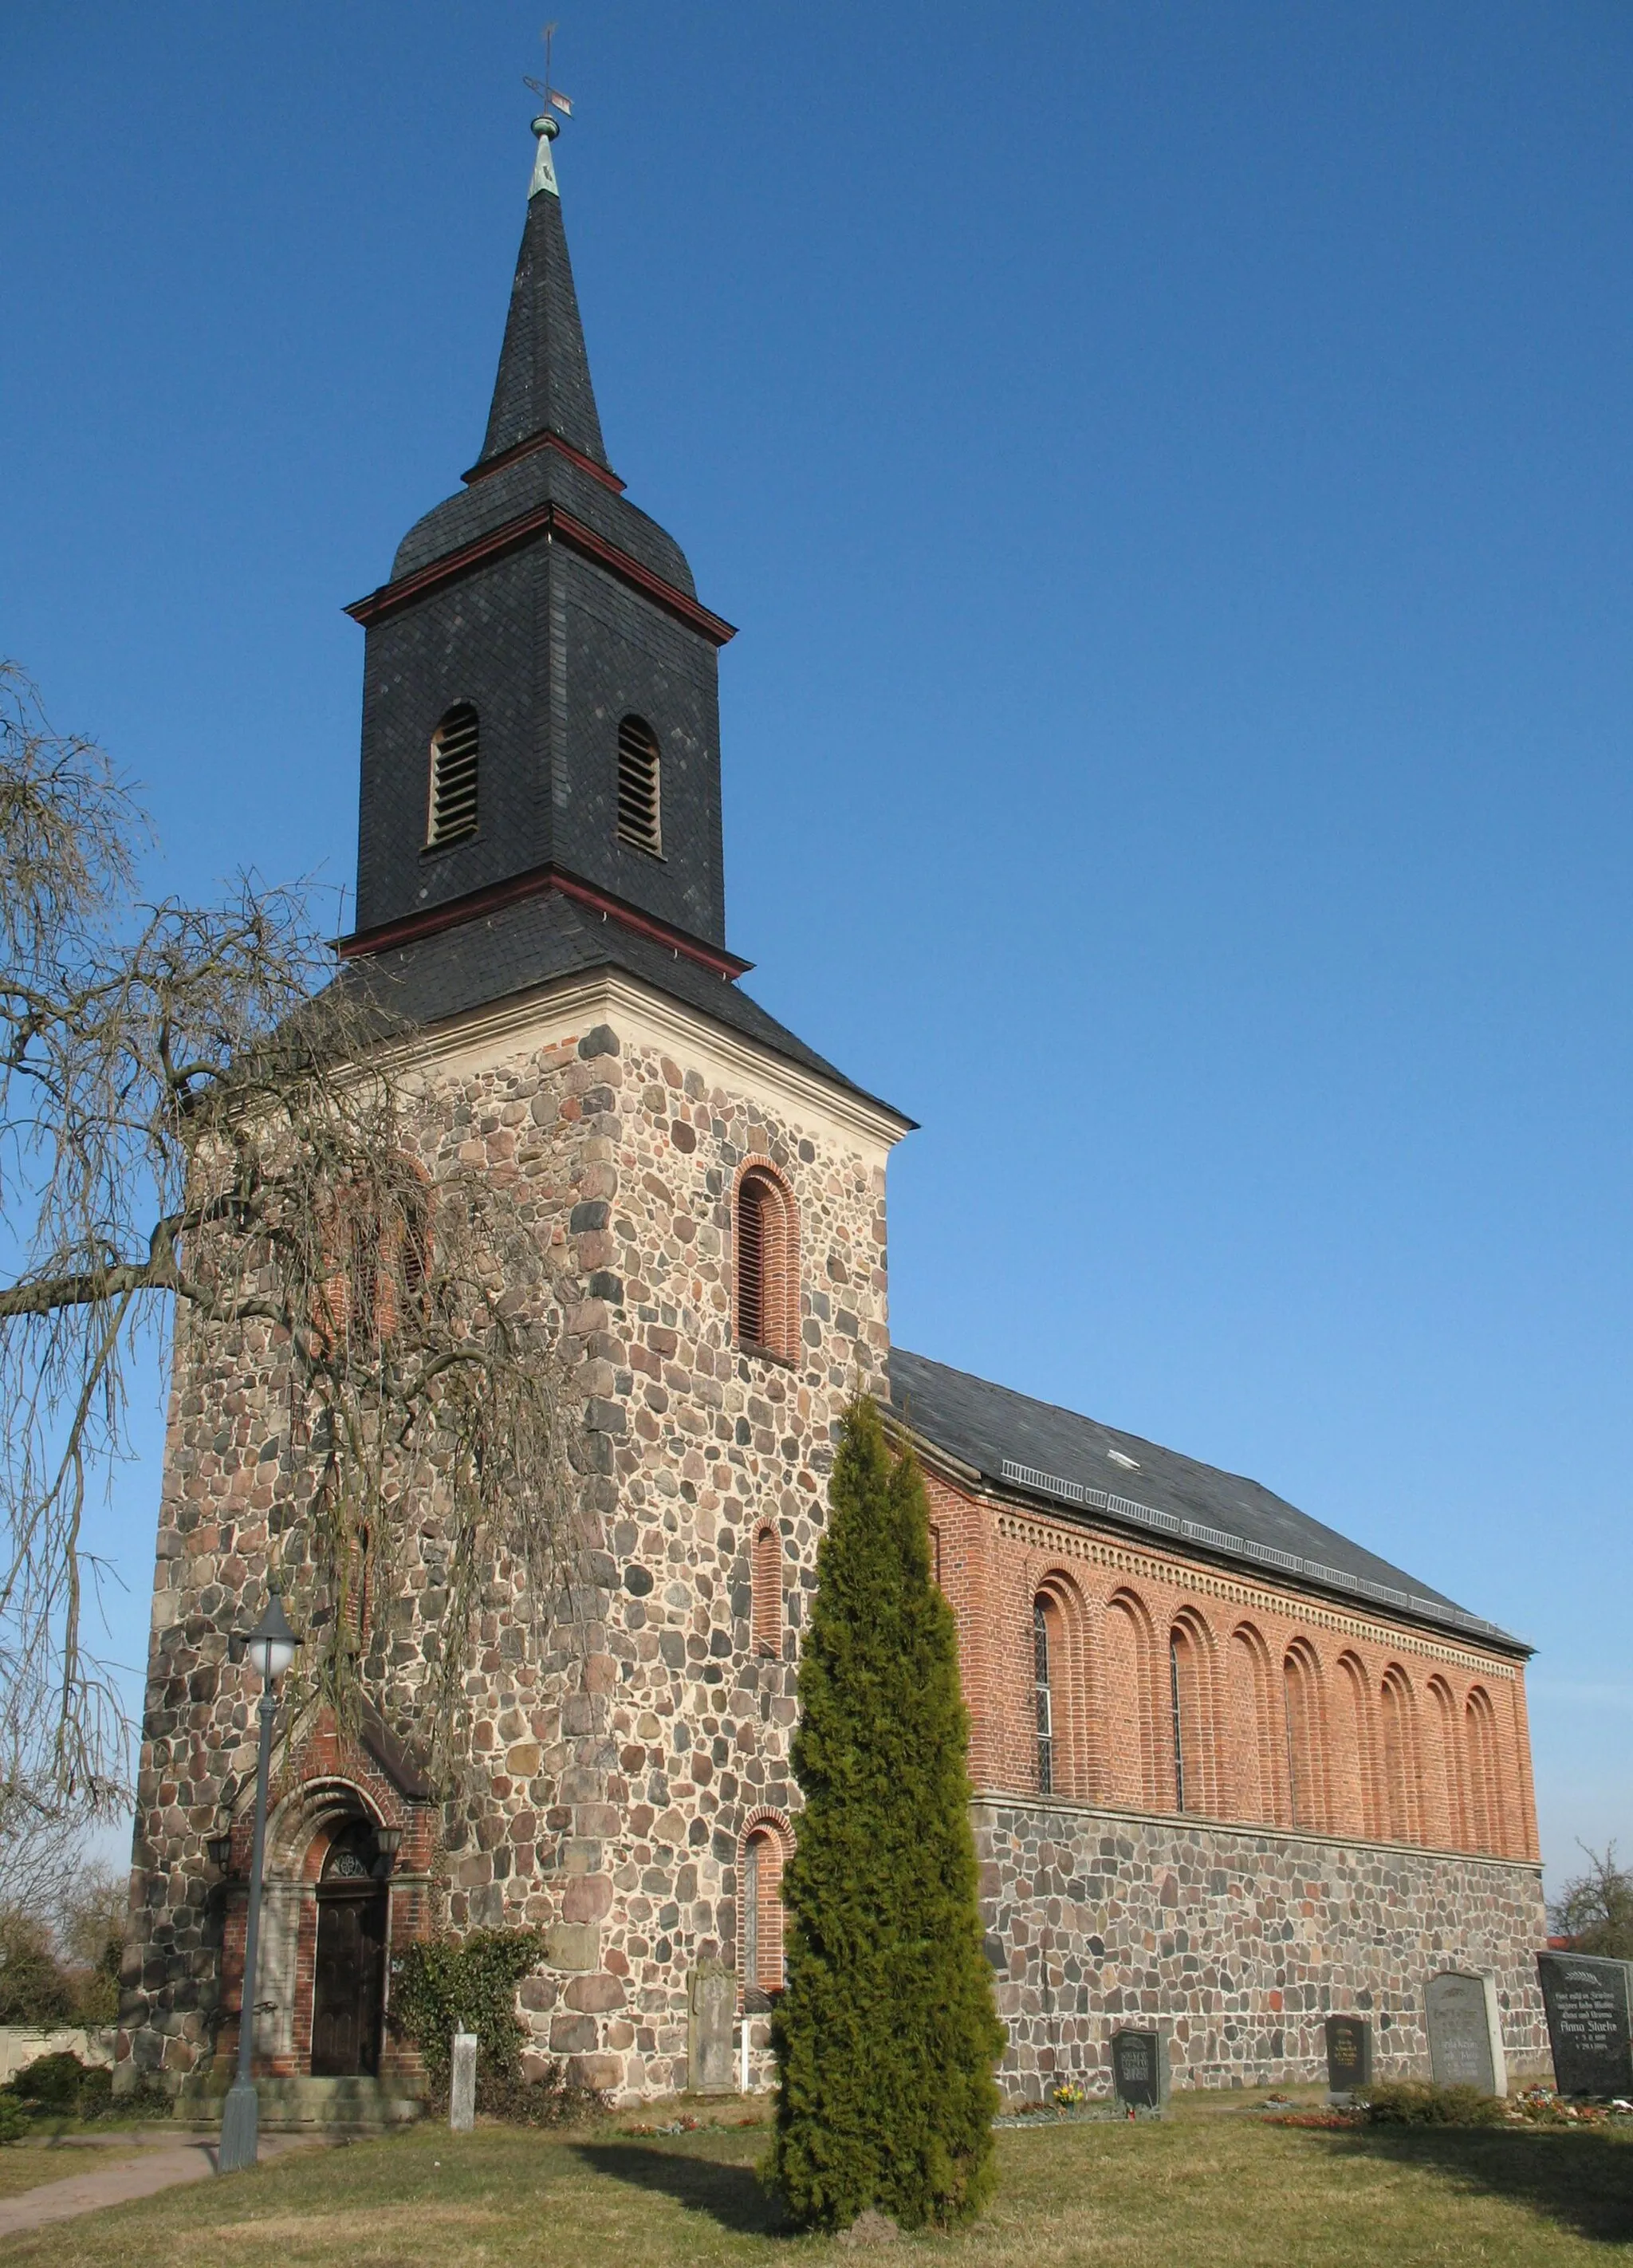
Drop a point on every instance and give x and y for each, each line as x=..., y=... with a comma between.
x=1416, y=2103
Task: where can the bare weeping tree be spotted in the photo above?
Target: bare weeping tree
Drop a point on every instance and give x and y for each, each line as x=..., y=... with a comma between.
x=203, y=1133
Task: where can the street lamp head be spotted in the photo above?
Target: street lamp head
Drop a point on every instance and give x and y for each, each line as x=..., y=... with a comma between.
x=272, y=1645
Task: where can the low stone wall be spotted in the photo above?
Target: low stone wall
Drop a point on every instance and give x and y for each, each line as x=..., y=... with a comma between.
x=20, y=2045
x=1238, y=1940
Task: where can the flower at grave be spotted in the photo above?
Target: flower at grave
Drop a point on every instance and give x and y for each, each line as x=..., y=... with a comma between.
x=1067, y=2095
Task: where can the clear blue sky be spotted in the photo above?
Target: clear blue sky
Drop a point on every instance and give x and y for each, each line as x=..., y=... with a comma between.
x=1171, y=467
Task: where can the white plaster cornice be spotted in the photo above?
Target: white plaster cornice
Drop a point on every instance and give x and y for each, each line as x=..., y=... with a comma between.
x=540, y=1015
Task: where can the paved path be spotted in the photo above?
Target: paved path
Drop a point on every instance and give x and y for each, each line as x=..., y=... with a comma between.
x=139, y=2165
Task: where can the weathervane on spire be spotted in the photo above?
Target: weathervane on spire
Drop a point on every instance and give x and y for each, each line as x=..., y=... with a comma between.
x=550, y=97
x=546, y=126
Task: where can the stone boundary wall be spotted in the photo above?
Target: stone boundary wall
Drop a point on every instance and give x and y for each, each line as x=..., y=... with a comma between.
x=1238, y=1942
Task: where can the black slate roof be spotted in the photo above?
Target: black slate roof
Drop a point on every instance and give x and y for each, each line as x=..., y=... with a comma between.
x=1018, y=1443
x=529, y=943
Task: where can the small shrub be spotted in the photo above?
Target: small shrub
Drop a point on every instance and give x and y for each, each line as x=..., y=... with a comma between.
x=546, y=2101
x=14, y=2119
x=53, y=2081
x=1416, y=2103
x=96, y=2093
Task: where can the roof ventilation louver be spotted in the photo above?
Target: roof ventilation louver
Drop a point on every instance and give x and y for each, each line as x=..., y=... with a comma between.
x=454, y=778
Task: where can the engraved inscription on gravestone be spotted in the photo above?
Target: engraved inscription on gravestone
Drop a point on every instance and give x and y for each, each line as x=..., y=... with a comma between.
x=1464, y=2032
x=1349, y=2055
x=712, y=2011
x=1587, y=1999
x=1139, y=2070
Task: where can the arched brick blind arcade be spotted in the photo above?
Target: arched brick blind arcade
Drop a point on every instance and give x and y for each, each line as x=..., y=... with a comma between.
x=765, y=1224
x=1397, y=1713
x=1130, y=1718
x=1354, y=1805
x=1253, y=1747
x=1191, y=1716
x=765, y=1584
x=1485, y=1786
x=1306, y=1736
x=764, y=1853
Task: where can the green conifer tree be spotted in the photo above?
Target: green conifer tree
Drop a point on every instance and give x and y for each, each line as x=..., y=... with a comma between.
x=885, y=2036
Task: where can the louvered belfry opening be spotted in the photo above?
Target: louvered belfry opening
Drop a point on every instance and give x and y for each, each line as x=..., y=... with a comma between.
x=639, y=815
x=454, y=778
x=767, y=1252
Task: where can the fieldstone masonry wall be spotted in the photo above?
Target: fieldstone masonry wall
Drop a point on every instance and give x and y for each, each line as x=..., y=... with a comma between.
x=1239, y=1941
x=610, y=1784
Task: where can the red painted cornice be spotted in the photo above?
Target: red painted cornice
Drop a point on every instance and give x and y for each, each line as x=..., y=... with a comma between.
x=550, y=521
x=533, y=884
x=602, y=473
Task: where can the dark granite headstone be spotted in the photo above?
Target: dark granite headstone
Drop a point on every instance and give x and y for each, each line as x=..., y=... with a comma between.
x=1139, y=2070
x=1464, y=2033
x=1349, y=2055
x=1587, y=1999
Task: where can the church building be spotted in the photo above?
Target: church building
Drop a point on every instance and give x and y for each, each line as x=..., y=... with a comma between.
x=1231, y=1772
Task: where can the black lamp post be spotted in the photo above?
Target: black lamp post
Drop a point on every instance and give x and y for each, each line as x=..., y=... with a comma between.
x=270, y=1647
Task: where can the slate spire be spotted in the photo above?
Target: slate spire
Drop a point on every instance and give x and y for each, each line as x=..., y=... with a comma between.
x=543, y=384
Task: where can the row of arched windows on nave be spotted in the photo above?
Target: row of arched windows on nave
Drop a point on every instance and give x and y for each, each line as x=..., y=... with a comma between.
x=1178, y=1721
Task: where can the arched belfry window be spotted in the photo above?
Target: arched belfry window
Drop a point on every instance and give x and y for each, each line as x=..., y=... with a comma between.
x=640, y=809
x=452, y=814
x=766, y=1234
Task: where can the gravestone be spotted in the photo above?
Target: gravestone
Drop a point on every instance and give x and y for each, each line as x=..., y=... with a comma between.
x=462, y=2084
x=1139, y=2070
x=1349, y=2055
x=712, y=2002
x=1464, y=2032
x=1589, y=2027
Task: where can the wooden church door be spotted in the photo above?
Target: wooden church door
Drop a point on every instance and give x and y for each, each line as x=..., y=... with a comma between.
x=349, y=1971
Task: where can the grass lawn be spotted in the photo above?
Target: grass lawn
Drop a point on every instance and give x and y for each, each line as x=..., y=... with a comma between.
x=1210, y=2186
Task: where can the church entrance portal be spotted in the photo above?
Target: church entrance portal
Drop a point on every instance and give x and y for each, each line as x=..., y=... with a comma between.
x=348, y=1968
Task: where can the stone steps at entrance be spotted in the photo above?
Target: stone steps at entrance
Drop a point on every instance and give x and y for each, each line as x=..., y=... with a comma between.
x=310, y=2106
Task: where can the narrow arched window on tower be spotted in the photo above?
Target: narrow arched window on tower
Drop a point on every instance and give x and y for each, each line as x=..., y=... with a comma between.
x=1043, y=1697
x=766, y=1586
x=452, y=814
x=766, y=1232
x=640, y=817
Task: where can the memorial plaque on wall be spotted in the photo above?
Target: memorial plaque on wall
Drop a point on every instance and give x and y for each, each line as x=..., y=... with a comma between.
x=1588, y=2021
x=1349, y=2054
x=1465, y=2034
x=1139, y=2070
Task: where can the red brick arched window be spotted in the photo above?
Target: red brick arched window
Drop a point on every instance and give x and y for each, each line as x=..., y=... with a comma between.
x=1354, y=1792
x=1194, y=1734
x=1306, y=1735
x=1485, y=1788
x=765, y=1224
x=1130, y=1720
x=1446, y=1810
x=1399, y=1808
x=766, y=1586
x=764, y=1853
x=1256, y=1752
x=377, y=1256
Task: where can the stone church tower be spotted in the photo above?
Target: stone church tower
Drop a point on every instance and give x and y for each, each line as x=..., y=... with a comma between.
x=541, y=890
